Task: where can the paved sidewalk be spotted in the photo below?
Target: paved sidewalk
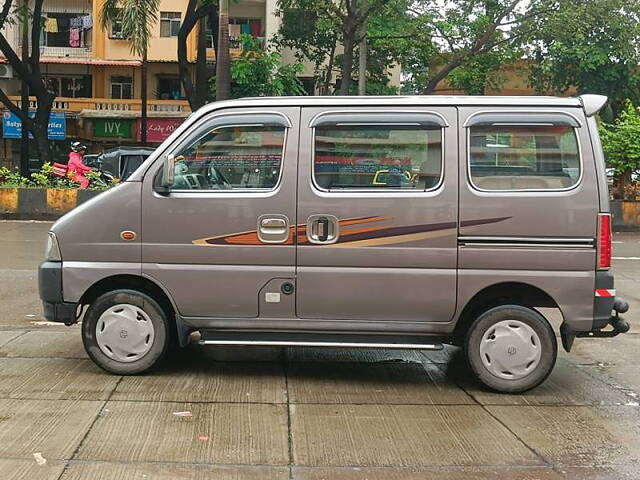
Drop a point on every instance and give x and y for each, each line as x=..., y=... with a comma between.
x=305, y=414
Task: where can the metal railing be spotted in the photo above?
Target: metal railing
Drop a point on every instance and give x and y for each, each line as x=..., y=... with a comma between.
x=76, y=105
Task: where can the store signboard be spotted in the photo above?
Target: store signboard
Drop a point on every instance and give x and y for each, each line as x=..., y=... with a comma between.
x=12, y=125
x=112, y=128
x=158, y=129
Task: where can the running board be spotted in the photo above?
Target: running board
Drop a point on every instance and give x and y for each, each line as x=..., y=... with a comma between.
x=219, y=338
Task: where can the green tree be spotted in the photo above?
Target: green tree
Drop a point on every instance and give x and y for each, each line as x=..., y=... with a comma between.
x=621, y=146
x=27, y=69
x=472, y=40
x=593, y=46
x=341, y=22
x=311, y=35
x=260, y=73
x=136, y=18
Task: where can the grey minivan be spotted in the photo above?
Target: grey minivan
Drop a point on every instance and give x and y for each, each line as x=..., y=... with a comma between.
x=393, y=222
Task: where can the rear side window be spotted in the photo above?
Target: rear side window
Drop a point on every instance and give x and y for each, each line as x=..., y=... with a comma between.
x=524, y=157
x=405, y=157
x=231, y=157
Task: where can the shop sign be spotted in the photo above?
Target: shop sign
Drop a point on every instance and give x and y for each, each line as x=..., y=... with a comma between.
x=158, y=129
x=12, y=125
x=112, y=128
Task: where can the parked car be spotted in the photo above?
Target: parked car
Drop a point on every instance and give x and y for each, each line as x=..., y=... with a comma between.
x=120, y=162
x=258, y=222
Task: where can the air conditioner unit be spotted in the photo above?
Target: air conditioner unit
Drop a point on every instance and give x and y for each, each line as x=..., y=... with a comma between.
x=6, y=71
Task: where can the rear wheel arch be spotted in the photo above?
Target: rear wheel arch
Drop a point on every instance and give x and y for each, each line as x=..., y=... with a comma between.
x=517, y=293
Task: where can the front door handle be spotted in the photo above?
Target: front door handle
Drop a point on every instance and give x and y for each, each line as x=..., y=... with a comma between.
x=268, y=223
x=273, y=228
x=323, y=229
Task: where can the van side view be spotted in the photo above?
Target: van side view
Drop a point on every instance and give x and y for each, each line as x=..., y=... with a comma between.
x=392, y=222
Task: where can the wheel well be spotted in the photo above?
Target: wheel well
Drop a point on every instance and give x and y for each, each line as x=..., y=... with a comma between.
x=500, y=294
x=131, y=282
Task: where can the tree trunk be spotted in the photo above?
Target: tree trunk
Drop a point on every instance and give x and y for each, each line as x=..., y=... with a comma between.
x=329, y=74
x=362, y=61
x=202, y=85
x=183, y=62
x=41, y=137
x=223, y=62
x=626, y=181
x=24, y=98
x=143, y=97
x=347, y=63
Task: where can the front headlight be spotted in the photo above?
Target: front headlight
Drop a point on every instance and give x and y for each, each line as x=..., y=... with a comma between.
x=52, y=253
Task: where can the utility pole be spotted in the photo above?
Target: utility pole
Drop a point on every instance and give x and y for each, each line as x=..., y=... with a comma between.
x=24, y=94
x=362, y=61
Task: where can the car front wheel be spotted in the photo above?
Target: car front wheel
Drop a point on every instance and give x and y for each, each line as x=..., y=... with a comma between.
x=125, y=332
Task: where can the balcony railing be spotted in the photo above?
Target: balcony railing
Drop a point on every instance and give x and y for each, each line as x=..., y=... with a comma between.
x=77, y=105
x=71, y=52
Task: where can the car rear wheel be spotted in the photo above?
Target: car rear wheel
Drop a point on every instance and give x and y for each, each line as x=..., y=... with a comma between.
x=125, y=332
x=511, y=348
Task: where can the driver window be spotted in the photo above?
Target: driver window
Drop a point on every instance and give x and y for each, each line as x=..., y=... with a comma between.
x=231, y=157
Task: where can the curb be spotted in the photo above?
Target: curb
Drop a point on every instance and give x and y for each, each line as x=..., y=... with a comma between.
x=625, y=216
x=41, y=203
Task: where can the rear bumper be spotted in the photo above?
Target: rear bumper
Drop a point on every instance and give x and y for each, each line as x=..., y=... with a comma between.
x=605, y=296
x=50, y=288
x=606, y=311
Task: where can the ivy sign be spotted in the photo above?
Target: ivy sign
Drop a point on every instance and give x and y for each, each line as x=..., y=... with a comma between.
x=113, y=128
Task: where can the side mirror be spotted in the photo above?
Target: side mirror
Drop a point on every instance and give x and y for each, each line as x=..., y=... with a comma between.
x=168, y=172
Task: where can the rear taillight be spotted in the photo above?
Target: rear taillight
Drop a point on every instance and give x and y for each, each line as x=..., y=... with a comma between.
x=604, y=241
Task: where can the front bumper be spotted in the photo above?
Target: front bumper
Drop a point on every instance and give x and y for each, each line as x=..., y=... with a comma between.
x=50, y=288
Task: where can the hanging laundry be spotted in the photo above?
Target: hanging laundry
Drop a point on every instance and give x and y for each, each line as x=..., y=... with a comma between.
x=76, y=22
x=234, y=31
x=74, y=37
x=246, y=28
x=64, y=24
x=51, y=25
x=256, y=27
x=87, y=22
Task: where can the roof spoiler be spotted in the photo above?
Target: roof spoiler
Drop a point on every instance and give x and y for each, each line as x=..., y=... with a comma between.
x=592, y=104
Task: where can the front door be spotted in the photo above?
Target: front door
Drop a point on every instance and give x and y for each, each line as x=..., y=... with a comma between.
x=377, y=215
x=221, y=241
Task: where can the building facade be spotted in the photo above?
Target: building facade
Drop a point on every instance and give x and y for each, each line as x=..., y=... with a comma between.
x=97, y=80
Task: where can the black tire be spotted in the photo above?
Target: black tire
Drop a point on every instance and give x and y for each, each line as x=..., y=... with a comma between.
x=161, y=336
x=528, y=316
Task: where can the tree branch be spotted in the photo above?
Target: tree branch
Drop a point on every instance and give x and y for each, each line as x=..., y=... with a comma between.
x=4, y=13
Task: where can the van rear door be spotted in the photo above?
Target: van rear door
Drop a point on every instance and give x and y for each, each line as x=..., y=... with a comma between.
x=377, y=215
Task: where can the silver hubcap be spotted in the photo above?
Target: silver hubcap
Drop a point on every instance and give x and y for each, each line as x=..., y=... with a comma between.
x=125, y=333
x=510, y=349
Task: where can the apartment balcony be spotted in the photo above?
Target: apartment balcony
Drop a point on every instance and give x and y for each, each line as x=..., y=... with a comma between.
x=66, y=52
x=114, y=108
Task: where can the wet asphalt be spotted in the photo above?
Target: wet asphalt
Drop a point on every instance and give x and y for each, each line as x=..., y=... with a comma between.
x=304, y=413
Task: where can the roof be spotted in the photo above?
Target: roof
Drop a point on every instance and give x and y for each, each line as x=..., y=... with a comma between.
x=397, y=101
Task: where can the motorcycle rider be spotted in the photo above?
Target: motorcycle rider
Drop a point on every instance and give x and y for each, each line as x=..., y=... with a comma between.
x=76, y=167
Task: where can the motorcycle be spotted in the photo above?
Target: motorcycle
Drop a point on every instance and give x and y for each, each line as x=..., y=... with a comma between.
x=102, y=179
